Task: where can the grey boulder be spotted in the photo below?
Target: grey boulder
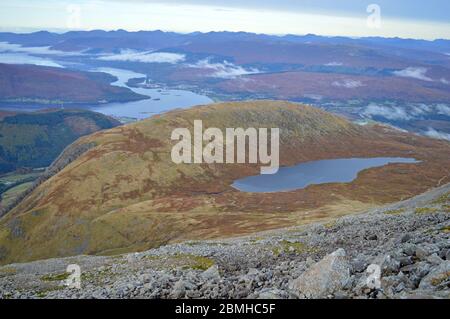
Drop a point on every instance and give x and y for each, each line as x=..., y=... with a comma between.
x=323, y=278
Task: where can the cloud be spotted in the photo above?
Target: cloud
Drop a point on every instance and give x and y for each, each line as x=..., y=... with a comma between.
x=420, y=109
x=334, y=64
x=21, y=58
x=414, y=72
x=445, y=81
x=348, y=84
x=390, y=113
x=443, y=109
x=437, y=135
x=405, y=113
x=225, y=70
x=316, y=97
x=145, y=57
x=17, y=48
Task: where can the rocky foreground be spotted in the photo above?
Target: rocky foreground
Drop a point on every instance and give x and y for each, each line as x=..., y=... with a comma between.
x=400, y=251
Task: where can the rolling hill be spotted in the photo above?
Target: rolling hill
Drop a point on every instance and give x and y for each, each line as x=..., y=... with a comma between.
x=123, y=193
x=35, y=139
x=29, y=85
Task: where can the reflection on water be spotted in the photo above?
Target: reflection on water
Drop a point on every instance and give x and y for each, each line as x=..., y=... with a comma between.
x=312, y=173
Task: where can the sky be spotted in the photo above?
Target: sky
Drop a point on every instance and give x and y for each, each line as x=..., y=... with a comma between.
x=356, y=18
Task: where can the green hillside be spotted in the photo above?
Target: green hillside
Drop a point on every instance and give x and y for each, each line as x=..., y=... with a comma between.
x=36, y=139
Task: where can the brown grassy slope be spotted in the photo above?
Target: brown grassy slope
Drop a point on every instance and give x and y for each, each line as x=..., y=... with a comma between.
x=294, y=85
x=126, y=194
x=33, y=84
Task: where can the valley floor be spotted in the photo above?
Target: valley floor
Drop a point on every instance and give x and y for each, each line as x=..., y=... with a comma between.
x=408, y=242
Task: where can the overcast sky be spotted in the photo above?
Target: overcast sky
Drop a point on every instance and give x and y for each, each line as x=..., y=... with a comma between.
x=402, y=18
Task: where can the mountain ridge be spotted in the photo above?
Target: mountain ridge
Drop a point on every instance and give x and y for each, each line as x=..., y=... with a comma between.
x=125, y=194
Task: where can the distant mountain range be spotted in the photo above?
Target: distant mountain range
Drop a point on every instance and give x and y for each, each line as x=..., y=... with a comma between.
x=144, y=40
x=404, y=82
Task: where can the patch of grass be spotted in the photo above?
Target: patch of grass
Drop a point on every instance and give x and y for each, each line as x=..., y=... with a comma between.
x=330, y=224
x=116, y=257
x=193, y=243
x=290, y=248
x=44, y=293
x=202, y=263
x=184, y=261
x=440, y=279
x=153, y=257
x=395, y=211
x=96, y=276
x=8, y=271
x=425, y=210
x=196, y=262
x=10, y=195
x=254, y=240
x=199, y=243
x=443, y=199
x=55, y=277
x=7, y=295
x=41, y=294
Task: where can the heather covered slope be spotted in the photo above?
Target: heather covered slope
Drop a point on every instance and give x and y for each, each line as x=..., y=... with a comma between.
x=125, y=194
x=30, y=85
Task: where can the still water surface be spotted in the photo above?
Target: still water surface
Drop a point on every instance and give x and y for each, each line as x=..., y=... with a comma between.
x=160, y=100
x=312, y=173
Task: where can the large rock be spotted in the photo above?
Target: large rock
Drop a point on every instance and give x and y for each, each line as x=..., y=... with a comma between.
x=438, y=277
x=423, y=251
x=323, y=278
x=272, y=294
x=212, y=273
x=179, y=290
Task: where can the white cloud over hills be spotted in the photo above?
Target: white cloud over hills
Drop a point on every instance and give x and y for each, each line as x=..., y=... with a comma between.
x=334, y=64
x=418, y=73
x=45, y=50
x=224, y=70
x=405, y=113
x=348, y=84
x=388, y=112
x=437, y=135
x=145, y=57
